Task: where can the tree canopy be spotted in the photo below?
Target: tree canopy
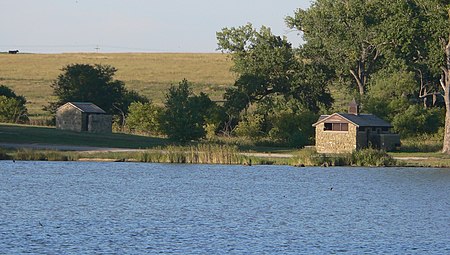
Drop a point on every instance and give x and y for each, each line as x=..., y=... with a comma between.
x=12, y=106
x=267, y=66
x=93, y=83
x=185, y=113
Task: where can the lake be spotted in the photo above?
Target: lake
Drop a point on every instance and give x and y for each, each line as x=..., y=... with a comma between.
x=134, y=208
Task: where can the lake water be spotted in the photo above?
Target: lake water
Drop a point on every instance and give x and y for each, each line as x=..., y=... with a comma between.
x=127, y=208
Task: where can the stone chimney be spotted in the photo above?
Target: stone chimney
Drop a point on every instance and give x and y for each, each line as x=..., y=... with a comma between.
x=353, y=107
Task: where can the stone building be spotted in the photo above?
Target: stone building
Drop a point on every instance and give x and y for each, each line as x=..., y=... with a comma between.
x=347, y=132
x=81, y=117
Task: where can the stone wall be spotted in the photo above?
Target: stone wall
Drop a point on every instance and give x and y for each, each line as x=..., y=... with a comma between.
x=69, y=118
x=336, y=141
x=100, y=123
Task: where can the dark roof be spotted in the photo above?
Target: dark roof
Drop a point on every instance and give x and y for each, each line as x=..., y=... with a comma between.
x=87, y=107
x=360, y=120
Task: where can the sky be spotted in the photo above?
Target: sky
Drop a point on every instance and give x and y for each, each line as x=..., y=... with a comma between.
x=54, y=26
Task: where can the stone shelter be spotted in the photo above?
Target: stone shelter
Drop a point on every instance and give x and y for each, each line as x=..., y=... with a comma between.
x=83, y=117
x=347, y=132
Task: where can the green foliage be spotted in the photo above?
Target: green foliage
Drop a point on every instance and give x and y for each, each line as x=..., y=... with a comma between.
x=423, y=142
x=309, y=157
x=12, y=106
x=393, y=85
x=371, y=157
x=144, y=117
x=417, y=120
x=185, y=113
x=357, y=39
x=7, y=92
x=251, y=126
x=45, y=155
x=365, y=157
x=343, y=34
x=269, y=71
x=293, y=128
x=93, y=83
x=11, y=110
x=267, y=65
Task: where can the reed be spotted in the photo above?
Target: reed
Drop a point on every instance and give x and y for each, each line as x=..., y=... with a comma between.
x=365, y=157
x=44, y=155
x=4, y=155
x=372, y=157
x=194, y=154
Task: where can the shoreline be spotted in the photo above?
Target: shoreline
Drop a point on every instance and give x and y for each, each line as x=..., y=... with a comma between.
x=52, y=152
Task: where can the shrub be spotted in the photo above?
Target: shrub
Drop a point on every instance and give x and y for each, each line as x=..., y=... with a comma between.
x=417, y=120
x=371, y=157
x=251, y=126
x=309, y=157
x=144, y=117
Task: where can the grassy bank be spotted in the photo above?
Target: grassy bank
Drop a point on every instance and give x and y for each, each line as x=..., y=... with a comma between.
x=49, y=135
x=151, y=74
x=221, y=152
x=225, y=154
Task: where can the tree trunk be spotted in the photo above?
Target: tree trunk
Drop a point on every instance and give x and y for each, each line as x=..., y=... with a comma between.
x=359, y=81
x=446, y=146
x=445, y=82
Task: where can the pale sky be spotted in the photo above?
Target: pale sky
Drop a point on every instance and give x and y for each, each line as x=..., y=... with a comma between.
x=53, y=26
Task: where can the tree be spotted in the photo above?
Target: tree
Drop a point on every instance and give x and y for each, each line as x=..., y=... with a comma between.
x=445, y=83
x=360, y=38
x=144, y=117
x=185, y=113
x=357, y=37
x=268, y=67
x=93, y=83
x=12, y=106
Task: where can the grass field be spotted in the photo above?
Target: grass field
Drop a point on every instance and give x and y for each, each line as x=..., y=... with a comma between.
x=48, y=135
x=151, y=74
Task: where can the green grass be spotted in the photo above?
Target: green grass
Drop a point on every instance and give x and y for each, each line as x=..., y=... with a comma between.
x=47, y=135
x=151, y=74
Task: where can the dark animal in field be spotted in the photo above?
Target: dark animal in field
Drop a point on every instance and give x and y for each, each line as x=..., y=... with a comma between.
x=13, y=51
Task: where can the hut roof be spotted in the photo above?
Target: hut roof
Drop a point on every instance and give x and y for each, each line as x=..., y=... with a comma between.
x=360, y=120
x=87, y=107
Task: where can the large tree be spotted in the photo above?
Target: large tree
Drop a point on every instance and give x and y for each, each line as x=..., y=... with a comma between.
x=362, y=39
x=93, y=83
x=185, y=114
x=353, y=36
x=267, y=66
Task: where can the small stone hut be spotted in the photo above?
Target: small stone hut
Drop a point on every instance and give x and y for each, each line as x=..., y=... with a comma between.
x=347, y=132
x=83, y=117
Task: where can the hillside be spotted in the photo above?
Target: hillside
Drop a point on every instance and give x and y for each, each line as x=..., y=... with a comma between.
x=151, y=74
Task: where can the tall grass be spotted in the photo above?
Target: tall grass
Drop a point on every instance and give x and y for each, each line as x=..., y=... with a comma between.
x=195, y=154
x=365, y=157
x=4, y=155
x=372, y=157
x=39, y=155
x=423, y=143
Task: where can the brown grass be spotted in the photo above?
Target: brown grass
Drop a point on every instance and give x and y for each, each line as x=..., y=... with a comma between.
x=148, y=73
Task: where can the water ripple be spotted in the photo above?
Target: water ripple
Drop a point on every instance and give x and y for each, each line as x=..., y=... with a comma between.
x=115, y=208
